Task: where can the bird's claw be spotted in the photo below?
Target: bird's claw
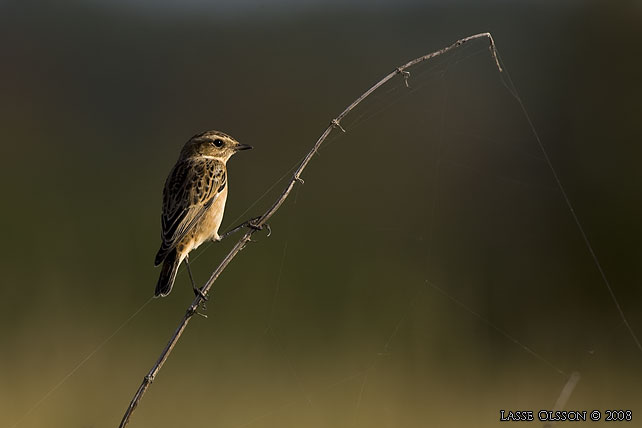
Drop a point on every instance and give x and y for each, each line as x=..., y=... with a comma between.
x=405, y=74
x=194, y=311
x=202, y=304
x=199, y=292
x=252, y=224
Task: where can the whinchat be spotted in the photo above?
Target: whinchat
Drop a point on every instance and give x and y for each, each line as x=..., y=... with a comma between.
x=193, y=202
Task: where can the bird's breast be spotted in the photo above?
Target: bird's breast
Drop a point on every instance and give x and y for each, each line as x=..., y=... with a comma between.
x=214, y=216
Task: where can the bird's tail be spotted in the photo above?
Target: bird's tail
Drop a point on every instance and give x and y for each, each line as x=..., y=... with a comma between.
x=168, y=274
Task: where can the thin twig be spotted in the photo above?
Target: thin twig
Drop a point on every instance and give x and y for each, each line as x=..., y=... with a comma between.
x=565, y=394
x=262, y=220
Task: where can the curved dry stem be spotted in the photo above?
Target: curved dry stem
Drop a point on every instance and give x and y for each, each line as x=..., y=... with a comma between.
x=262, y=220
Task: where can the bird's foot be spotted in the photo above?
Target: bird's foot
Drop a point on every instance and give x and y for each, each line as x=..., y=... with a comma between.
x=253, y=224
x=199, y=292
x=194, y=311
x=250, y=223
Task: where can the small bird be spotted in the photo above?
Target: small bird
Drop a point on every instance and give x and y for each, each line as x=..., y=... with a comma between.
x=193, y=202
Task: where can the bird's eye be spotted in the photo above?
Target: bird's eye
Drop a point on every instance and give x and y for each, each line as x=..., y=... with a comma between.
x=218, y=142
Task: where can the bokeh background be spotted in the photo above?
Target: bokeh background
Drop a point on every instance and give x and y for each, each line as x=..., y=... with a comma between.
x=428, y=272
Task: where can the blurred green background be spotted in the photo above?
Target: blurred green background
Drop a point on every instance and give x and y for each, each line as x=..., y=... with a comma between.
x=335, y=320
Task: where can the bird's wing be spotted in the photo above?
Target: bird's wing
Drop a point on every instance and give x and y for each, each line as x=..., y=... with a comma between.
x=191, y=188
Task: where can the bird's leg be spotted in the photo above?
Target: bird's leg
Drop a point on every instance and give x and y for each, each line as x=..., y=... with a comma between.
x=250, y=223
x=197, y=291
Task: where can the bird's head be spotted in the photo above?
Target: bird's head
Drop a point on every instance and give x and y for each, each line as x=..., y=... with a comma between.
x=213, y=144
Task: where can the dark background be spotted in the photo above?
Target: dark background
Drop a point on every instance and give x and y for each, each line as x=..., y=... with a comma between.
x=336, y=319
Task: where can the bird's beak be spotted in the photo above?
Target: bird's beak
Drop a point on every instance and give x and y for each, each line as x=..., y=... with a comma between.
x=242, y=147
